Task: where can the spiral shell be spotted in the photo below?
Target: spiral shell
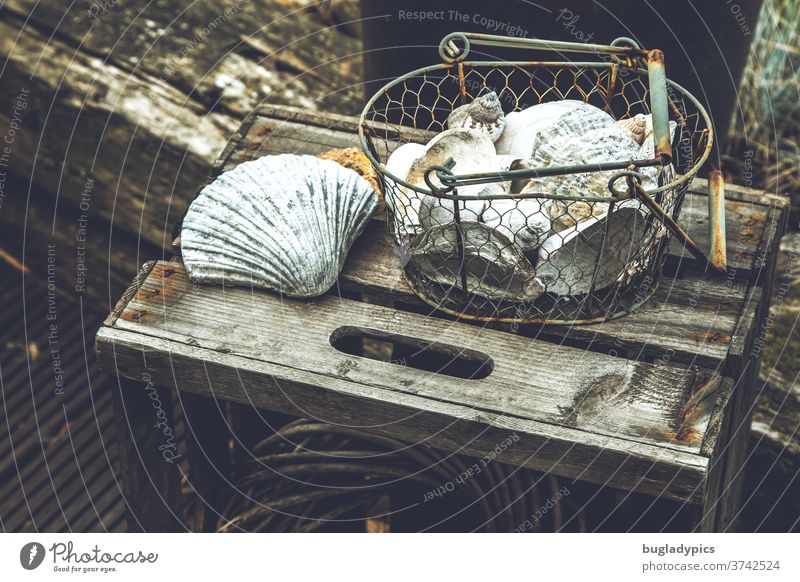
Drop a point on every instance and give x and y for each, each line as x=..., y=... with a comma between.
x=484, y=114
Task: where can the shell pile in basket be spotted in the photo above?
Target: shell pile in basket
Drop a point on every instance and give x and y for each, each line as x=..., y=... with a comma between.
x=517, y=248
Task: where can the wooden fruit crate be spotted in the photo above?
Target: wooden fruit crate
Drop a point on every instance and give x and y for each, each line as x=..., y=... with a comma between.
x=656, y=403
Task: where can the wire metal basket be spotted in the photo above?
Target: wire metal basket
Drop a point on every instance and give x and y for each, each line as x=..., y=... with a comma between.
x=603, y=254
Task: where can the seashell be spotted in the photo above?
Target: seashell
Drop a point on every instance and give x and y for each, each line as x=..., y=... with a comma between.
x=403, y=202
x=509, y=163
x=566, y=214
x=484, y=114
x=438, y=211
x=638, y=127
x=473, y=152
x=525, y=222
x=494, y=268
x=283, y=222
x=522, y=127
x=567, y=259
x=354, y=159
x=583, y=135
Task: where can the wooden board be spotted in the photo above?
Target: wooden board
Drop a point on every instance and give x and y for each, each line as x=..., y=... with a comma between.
x=615, y=408
x=690, y=319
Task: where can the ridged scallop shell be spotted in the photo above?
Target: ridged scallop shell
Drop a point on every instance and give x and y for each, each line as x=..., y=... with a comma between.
x=484, y=114
x=494, y=267
x=283, y=222
x=567, y=259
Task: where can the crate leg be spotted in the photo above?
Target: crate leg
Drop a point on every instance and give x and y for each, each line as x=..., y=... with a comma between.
x=147, y=455
x=207, y=436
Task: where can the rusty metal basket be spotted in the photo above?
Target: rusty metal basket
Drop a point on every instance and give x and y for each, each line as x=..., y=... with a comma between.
x=611, y=275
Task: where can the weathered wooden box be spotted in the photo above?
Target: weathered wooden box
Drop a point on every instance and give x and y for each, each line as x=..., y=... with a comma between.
x=654, y=405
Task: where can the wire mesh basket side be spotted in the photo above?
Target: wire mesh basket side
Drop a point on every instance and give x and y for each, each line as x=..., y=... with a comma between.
x=415, y=108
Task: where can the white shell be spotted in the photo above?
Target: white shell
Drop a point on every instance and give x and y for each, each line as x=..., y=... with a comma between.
x=403, y=202
x=523, y=126
x=494, y=268
x=524, y=222
x=473, y=152
x=648, y=151
x=282, y=222
x=438, y=211
x=484, y=114
x=506, y=163
x=583, y=135
x=567, y=260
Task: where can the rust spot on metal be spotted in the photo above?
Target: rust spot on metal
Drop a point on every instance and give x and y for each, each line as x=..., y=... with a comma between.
x=462, y=83
x=716, y=220
x=612, y=83
x=655, y=56
x=660, y=104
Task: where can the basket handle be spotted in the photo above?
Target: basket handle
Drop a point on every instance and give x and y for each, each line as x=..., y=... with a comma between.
x=622, y=48
x=450, y=181
x=455, y=47
x=659, y=105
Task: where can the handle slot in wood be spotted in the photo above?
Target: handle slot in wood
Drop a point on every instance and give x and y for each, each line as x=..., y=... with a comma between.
x=412, y=352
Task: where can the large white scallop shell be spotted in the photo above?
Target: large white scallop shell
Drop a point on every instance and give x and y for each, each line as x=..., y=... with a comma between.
x=583, y=135
x=484, y=114
x=283, y=222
